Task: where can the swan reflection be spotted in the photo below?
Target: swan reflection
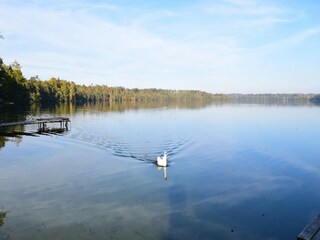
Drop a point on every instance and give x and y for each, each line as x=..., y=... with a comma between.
x=164, y=172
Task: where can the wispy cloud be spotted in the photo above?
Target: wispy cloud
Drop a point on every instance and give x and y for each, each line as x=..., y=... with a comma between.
x=290, y=42
x=208, y=47
x=248, y=14
x=241, y=2
x=301, y=36
x=243, y=7
x=80, y=41
x=244, y=10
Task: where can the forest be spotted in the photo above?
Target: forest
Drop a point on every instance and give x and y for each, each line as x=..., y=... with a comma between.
x=15, y=88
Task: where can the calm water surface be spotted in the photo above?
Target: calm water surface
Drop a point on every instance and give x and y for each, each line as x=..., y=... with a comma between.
x=235, y=171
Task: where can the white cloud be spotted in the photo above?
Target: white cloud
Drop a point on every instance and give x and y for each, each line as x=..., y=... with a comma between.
x=212, y=48
x=79, y=46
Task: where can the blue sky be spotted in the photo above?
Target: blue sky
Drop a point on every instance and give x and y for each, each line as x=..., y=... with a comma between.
x=229, y=46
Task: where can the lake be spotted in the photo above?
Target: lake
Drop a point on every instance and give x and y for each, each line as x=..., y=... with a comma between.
x=236, y=171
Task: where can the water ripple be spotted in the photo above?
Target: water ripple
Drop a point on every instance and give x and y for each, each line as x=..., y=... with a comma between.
x=142, y=147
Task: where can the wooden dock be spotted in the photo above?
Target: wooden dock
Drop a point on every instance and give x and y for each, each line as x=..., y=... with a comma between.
x=41, y=122
x=311, y=231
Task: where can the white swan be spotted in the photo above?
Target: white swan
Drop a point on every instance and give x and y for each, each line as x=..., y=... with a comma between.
x=162, y=161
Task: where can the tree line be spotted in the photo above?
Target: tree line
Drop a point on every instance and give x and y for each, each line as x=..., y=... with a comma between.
x=278, y=98
x=15, y=88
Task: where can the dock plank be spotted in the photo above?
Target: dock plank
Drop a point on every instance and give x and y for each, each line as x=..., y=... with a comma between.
x=316, y=237
x=311, y=229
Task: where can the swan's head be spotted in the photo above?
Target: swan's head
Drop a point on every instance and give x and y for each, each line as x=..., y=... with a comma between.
x=165, y=153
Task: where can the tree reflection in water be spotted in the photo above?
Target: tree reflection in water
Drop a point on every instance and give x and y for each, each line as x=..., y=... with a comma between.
x=2, y=217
